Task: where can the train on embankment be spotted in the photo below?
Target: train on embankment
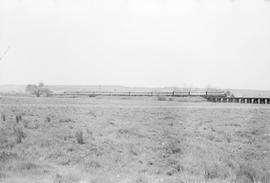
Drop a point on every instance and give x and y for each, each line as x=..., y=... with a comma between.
x=216, y=96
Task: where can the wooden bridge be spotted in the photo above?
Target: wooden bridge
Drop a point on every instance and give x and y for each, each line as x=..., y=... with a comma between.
x=248, y=100
x=218, y=97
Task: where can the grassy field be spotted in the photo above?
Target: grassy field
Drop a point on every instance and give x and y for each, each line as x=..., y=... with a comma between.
x=132, y=140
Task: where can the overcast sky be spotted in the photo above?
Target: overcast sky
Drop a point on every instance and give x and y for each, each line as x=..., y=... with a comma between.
x=222, y=43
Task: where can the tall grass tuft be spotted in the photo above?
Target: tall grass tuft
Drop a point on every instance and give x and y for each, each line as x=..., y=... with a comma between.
x=79, y=137
x=19, y=134
x=18, y=118
x=3, y=117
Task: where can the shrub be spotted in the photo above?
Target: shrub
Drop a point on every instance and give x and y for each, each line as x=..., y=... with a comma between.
x=161, y=98
x=79, y=137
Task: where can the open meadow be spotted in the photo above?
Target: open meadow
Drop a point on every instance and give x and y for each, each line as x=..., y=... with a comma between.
x=132, y=140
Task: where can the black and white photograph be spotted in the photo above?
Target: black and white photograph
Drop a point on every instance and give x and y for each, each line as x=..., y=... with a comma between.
x=134, y=91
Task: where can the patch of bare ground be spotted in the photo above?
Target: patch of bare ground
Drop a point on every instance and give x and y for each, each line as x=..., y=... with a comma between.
x=103, y=140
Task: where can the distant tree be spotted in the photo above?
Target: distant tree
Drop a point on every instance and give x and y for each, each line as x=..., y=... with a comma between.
x=229, y=94
x=38, y=90
x=31, y=90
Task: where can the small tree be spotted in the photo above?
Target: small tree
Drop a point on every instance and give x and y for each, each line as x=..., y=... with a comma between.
x=38, y=90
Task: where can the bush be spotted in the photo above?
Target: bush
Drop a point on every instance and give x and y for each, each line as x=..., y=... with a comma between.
x=79, y=137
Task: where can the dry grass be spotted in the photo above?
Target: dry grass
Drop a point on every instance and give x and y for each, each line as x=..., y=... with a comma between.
x=133, y=140
x=248, y=174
